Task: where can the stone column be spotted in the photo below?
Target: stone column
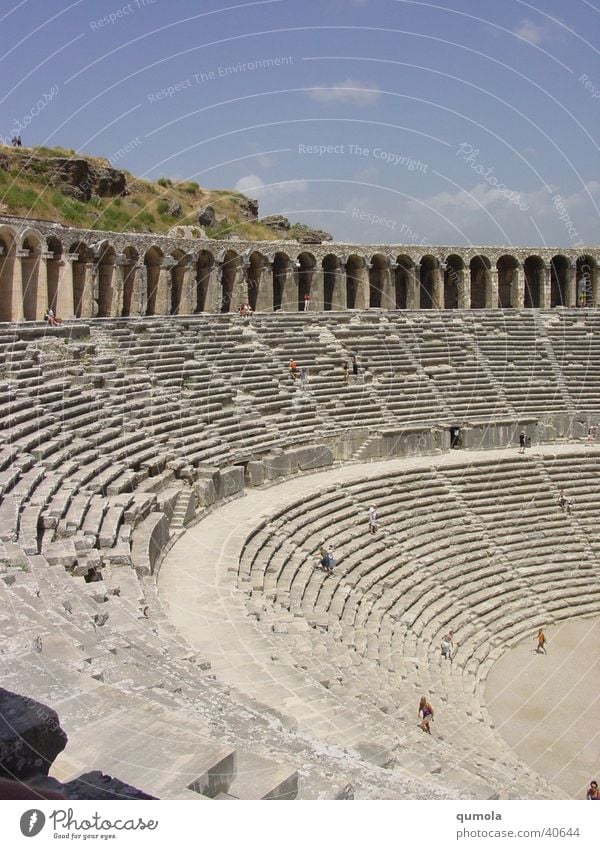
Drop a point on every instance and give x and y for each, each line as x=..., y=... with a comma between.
x=17, y=309
x=546, y=286
x=413, y=289
x=161, y=304
x=393, y=267
x=213, y=292
x=239, y=294
x=491, y=288
x=89, y=301
x=42, y=285
x=139, y=294
x=187, y=303
x=339, y=296
x=570, y=296
x=517, y=288
x=388, y=290
x=317, y=289
x=438, y=286
x=362, y=301
x=464, y=290
x=118, y=286
x=594, y=283
x=65, y=305
x=264, y=297
x=289, y=293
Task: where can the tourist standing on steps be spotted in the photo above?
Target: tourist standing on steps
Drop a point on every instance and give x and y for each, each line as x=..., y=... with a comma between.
x=372, y=519
x=426, y=712
x=293, y=368
x=354, y=368
x=306, y=302
x=541, y=642
x=522, y=442
x=345, y=372
x=593, y=793
x=448, y=646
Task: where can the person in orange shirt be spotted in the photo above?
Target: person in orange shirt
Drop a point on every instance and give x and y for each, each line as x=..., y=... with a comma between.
x=541, y=642
x=294, y=368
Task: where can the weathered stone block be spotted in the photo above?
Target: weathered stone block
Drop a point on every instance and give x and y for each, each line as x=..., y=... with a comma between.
x=231, y=481
x=30, y=737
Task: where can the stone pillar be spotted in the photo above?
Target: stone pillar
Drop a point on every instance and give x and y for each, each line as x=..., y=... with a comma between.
x=339, y=296
x=570, y=295
x=65, y=306
x=317, y=289
x=438, y=287
x=264, y=297
x=362, y=301
x=89, y=304
x=491, y=289
x=139, y=294
x=239, y=295
x=213, y=292
x=388, y=290
x=289, y=293
x=413, y=289
x=594, y=282
x=118, y=286
x=161, y=304
x=17, y=309
x=464, y=290
x=546, y=286
x=517, y=288
x=187, y=302
x=42, y=285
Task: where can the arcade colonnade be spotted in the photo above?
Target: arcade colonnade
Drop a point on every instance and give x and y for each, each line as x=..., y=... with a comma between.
x=88, y=274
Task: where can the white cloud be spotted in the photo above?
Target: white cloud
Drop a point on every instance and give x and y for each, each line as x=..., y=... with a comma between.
x=255, y=187
x=348, y=91
x=534, y=33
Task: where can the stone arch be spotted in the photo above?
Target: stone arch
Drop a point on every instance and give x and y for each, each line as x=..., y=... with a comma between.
x=205, y=267
x=534, y=272
x=256, y=264
x=331, y=268
x=229, y=272
x=34, y=298
x=106, y=271
x=508, y=273
x=307, y=265
x=153, y=259
x=354, y=271
x=559, y=276
x=53, y=265
x=454, y=272
x=130, y=262
x=427, y=278
x=585, y=277
x=281, y=268
x=479, y=269
x=403, y=277
x=177, y=279
x=10, y=296
x=81, y=252
x=378, y=276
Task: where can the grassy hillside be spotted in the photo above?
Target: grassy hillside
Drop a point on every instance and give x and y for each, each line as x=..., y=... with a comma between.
x=29, y=187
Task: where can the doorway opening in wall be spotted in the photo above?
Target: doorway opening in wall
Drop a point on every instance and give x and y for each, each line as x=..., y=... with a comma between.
x=455, y=437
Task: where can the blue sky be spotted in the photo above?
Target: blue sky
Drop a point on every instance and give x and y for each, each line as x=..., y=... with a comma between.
x=379, y=120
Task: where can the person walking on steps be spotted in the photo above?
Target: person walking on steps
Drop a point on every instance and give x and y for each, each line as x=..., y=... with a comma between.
x=345, y=373
x=372, y=519
x=448, y=646
x=541, y=642
x=522, y=442
x=425, y=714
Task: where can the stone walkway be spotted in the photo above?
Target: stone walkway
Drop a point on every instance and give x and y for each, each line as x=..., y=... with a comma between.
x=197, y=583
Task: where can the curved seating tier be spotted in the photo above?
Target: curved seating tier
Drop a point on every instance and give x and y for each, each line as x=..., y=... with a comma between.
x=115, y=435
